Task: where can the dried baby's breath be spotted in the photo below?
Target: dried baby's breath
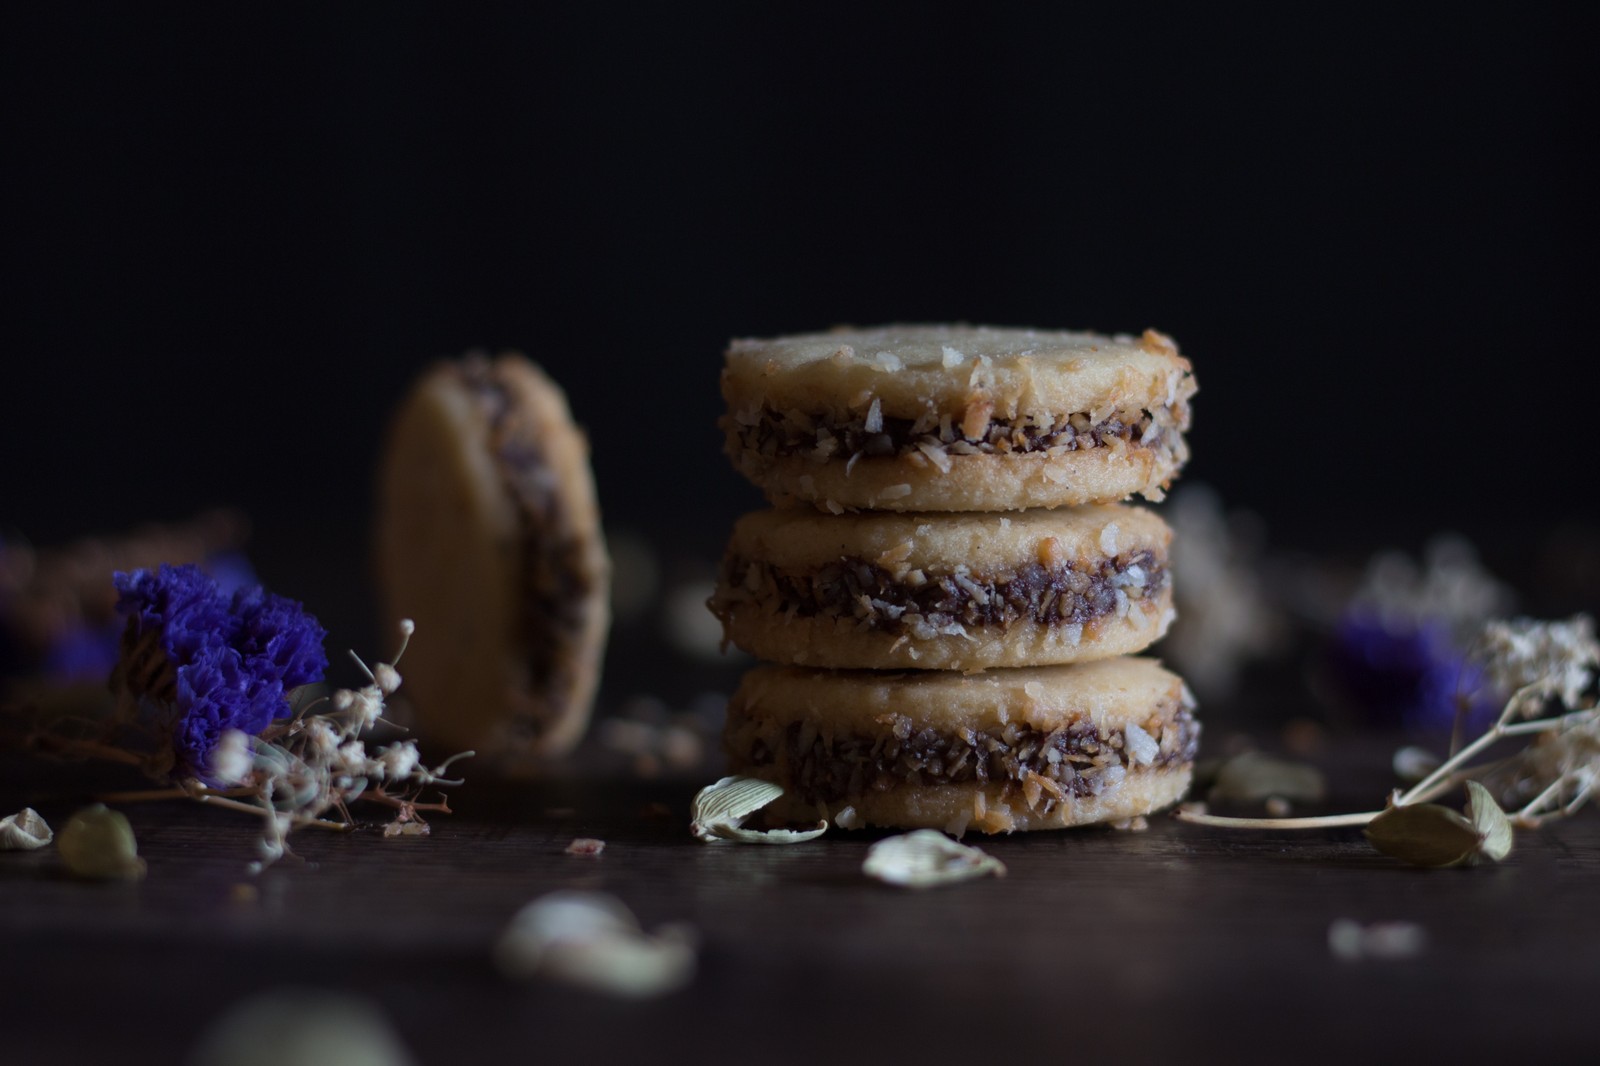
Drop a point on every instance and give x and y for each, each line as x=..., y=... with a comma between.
x=97, y=843
x=592, y=940
x=720, y=810
x=1252, y=777
x=24, y=831
x=927, y=858
x=1413, y=763
x=1549, y=659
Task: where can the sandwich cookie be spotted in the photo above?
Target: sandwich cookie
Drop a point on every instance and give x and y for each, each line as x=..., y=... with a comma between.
x=1000, y=751
x=956, y=418
x=489, y=538
x=945, y=592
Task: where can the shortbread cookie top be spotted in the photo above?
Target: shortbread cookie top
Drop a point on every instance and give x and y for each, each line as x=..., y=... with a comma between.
x=908, y=368
x=956, y=418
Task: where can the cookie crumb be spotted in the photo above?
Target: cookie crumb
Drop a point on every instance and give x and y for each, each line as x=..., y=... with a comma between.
x=1157, y=343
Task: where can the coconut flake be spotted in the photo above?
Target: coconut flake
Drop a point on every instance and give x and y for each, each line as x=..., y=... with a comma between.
x=592, y=940
x=874, y=420
x=1141, y=747
x=951, y=357
x=24, y=831
x=720, y=809
x=936, y=455
x=895, y=492
x=927, y=858
x=887, y=361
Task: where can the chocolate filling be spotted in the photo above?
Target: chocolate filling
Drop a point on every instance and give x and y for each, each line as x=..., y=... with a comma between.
x=555, y=584
x=776, y=434
x=926, y=605
x=1075, y=760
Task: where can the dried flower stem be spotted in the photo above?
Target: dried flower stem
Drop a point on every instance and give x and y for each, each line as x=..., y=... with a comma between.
x=1446, y=776
x=1324, y=821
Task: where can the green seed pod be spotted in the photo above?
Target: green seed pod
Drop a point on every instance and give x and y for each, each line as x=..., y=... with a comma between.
x=97, y=843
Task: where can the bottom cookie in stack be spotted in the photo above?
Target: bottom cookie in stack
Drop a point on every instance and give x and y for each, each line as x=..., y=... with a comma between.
x=1030, y=748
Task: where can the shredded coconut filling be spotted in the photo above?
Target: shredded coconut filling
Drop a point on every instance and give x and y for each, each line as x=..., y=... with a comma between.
x=1044, y=768
x=937, y=436
x=926, y=605
x=554, y=581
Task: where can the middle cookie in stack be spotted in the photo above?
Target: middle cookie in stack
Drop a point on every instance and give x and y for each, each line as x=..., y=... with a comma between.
x=957, y=431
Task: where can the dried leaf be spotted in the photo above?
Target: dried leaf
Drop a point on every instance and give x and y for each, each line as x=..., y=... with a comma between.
x=1493, y=827
x=927, y=858
x=720, y=809
x=24, y=831
x=1424, y=834
x=592, y=940
x=1253, y=777
x=98, y=843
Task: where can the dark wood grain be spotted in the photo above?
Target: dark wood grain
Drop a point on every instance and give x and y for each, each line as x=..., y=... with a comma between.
x=1175, y=944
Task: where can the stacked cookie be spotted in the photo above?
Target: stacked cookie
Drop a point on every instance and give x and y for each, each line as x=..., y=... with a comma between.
x=947, y=584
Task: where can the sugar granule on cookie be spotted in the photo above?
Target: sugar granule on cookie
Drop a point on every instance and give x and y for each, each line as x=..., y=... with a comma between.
x=957, y=418
x=489, y=535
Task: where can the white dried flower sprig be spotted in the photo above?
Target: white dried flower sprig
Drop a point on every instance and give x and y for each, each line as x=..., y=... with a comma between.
x=1550, y=669
x=299, y=771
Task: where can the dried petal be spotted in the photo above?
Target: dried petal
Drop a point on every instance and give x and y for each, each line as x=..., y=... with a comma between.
x=1413, y=763
x=720, y=809
x=1351, y=941
x=1253, y=777
x=592, y=940
x=927, y=858
x=98, y=843
x=24, y=831
x=1424, y=834
x=1491, y=823
x=311, y=1028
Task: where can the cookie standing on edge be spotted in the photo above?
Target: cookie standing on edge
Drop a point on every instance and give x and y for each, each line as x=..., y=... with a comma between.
x=957, y=418
x=945, y=592
x=995, y=752
x=489, y=538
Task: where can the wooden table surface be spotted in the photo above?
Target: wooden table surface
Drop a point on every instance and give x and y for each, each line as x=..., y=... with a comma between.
x=1179, y=943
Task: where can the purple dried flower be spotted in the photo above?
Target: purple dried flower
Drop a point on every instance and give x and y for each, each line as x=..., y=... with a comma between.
x=1403, y=671
x=218, y=692
x=183, y=604
x=280, y=640
x=236, y=656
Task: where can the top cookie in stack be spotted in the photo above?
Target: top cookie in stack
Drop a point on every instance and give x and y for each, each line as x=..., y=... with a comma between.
x=957, y=418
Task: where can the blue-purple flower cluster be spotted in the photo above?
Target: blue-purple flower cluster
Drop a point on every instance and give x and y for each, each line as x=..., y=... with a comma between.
x=1412, y=673
x=237, y=655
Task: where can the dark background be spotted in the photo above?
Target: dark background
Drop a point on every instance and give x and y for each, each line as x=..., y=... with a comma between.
x=234, y=234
